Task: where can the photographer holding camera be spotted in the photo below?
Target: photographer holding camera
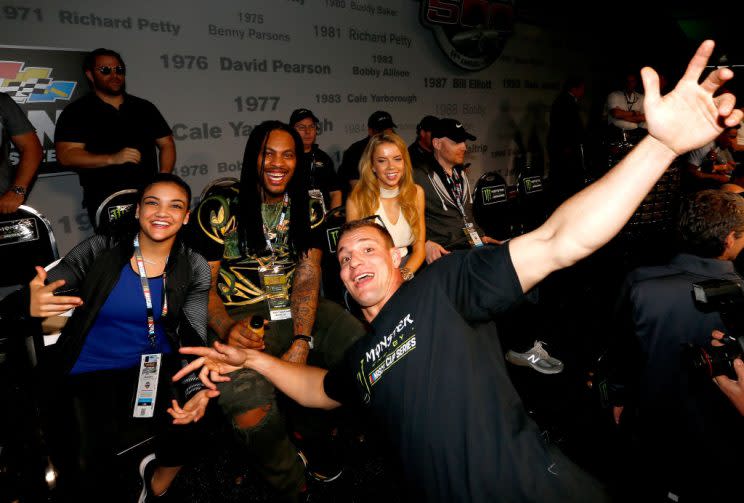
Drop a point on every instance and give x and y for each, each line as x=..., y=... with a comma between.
x=733, y=389
x=676, y=418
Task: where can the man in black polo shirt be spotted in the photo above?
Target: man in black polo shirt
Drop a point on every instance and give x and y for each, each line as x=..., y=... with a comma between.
x=420, y=150
x=109, y=137
x=316, y=164
x=348, y=172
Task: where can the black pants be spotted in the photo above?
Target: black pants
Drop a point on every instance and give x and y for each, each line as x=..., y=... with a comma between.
x=90, y=423
x=267, y=443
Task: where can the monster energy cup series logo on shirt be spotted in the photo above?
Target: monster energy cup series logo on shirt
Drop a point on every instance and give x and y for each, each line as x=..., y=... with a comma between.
x=386, y=353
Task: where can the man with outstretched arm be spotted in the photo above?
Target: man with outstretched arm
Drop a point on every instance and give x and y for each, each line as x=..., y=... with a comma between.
x=432, y=369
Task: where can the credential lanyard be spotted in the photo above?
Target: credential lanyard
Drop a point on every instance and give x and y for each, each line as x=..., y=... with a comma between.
x=148, y=297
x=456, y=186
x=630, y=102
x=283, y=215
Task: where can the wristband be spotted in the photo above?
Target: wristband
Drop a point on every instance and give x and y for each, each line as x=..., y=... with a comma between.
x=307, y=338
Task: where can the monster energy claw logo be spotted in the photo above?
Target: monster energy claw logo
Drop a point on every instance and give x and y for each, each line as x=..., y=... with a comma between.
x=532, y=184
x=332, y=235
x=116, y=212
x=472, y=33
x=493, y=194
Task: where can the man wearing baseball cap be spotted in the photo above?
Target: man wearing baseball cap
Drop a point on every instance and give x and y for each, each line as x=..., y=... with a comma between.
x=348, y=172
x=420, y=150
x=449, y=201
x=316, y=164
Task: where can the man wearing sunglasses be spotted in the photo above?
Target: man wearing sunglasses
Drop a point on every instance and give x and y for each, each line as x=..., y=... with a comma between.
x=110, y=137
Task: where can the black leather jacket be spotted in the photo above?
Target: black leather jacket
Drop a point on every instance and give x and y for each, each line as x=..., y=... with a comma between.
x=91, y=271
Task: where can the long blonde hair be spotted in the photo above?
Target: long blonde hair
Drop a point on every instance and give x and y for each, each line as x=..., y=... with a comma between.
x=366, y=193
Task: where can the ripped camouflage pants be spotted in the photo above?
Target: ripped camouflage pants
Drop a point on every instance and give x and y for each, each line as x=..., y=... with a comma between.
x=268, y=442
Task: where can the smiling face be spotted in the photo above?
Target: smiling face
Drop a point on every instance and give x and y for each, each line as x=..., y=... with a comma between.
x=388, y=165
x=369, y=268
x=162, y=211
x=278, y=166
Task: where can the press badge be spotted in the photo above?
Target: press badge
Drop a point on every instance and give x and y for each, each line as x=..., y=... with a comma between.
x=275, y=283
x=147, y=385
x=472, y=234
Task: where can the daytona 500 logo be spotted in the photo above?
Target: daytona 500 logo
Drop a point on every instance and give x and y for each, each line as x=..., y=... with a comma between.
x=472, y=33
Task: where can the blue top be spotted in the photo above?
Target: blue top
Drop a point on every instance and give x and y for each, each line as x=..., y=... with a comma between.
x=118, y=336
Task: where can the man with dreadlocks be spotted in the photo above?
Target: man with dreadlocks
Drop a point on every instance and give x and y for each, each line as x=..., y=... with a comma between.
x=265, y=260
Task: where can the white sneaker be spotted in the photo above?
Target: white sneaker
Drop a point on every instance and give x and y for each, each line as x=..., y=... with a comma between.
x=536, y=357
x=146, y=469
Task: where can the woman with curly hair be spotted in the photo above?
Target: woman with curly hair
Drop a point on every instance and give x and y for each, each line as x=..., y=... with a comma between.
x=386, y=189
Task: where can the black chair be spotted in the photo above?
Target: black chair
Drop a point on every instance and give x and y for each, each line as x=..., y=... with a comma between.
x=26, y=240
x=494, y=210
x=116, y=211
x=227, y=181
x=532, y=201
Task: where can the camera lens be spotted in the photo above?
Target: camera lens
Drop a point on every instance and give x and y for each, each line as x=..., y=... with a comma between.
x=712, y=361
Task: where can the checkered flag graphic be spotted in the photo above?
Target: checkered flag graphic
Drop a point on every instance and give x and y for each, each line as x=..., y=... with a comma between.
x=21, y=90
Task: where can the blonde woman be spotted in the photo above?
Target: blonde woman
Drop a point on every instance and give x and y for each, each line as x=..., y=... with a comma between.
x=386, y=189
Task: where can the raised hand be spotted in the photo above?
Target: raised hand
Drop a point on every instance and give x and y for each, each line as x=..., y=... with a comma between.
x=689, y=117
x=43, y=301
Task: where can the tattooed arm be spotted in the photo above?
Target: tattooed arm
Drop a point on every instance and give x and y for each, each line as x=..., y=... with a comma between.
x=229, y=331
x=304, y=300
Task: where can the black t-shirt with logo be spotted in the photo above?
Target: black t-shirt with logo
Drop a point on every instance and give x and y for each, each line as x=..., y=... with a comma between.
x=433, y=372
x=214, y=234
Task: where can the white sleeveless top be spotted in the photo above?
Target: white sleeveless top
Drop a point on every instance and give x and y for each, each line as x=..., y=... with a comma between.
x=401, y=231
